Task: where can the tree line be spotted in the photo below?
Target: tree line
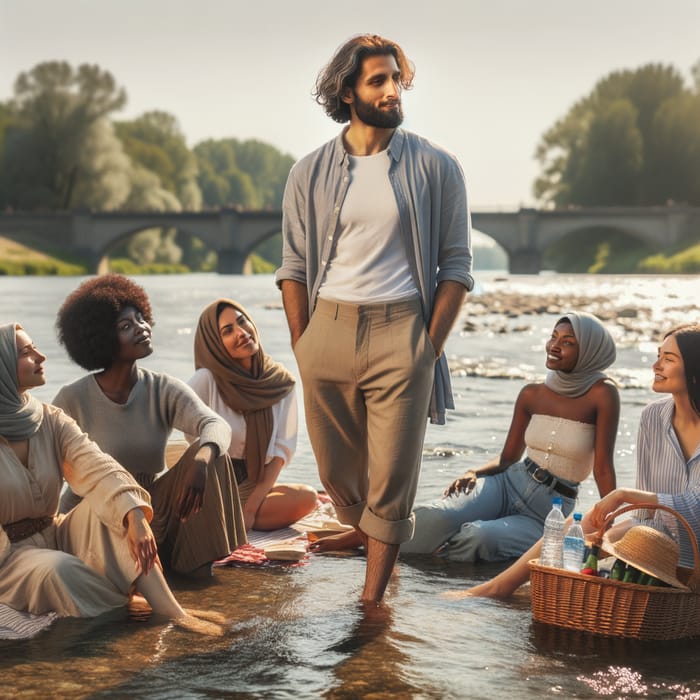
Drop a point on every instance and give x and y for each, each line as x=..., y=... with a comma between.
x=62, y=149
x=633, y=141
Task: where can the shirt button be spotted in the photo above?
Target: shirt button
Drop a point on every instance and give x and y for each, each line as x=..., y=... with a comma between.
x=330, y=238
x=336, y=210
x=345, y=179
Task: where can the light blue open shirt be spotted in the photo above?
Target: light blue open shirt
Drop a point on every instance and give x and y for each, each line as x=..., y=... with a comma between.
x=435, y=226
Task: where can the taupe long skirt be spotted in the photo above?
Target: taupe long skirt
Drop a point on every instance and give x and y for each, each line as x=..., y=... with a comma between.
x=212, y=533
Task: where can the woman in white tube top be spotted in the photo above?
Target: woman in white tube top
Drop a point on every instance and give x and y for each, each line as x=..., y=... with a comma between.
x=562, y=430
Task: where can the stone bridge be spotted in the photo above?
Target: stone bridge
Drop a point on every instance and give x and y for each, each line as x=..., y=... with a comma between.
x=234, y=234
x=527, y=233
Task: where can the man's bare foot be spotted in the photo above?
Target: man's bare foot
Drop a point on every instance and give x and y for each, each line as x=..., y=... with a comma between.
x=335, y=543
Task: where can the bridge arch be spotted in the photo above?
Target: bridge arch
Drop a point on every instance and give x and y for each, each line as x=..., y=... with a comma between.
x=550, y=232
x=487, y=252
x=256, y=246
x=100, y=259
x=596, y=249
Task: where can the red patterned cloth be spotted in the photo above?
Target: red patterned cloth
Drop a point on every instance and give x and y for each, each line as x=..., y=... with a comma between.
x=248, y=555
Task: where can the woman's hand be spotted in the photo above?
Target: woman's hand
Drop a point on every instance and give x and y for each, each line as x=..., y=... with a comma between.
x=605, y=506
x=249, y=513
x=465, y=484
x=619, y=497
x=142, y=543
x=194, y=482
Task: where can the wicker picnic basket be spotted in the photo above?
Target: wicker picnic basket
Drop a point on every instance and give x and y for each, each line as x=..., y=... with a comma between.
x=613, y=608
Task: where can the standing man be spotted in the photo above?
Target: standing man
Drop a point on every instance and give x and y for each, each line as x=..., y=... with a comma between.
x=375, y=268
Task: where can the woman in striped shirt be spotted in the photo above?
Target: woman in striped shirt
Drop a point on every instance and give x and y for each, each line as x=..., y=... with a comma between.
x=668, y=459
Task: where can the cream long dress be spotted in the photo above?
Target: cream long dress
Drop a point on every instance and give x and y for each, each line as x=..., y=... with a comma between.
x=79, y=566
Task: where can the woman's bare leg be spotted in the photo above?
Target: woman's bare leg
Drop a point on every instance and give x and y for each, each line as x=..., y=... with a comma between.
x=154, y=588
x=508, y=581
x=284, y=505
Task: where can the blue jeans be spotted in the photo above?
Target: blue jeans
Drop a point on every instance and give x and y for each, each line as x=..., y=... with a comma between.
x=500, y=519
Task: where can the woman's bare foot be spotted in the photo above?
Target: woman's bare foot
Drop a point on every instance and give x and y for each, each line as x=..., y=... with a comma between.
x=202, y=622
x=334, y=543
x=494, y=588
x=138, y=608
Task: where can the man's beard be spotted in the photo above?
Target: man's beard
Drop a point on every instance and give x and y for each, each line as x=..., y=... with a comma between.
x=370, y=115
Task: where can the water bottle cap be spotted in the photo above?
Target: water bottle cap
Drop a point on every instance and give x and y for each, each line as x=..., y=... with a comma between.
x=557, y=501
x=577, y=516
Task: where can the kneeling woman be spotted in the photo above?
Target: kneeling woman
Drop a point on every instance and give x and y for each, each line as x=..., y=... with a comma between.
x=81, y=564
x=129, y=411
x=256, y=396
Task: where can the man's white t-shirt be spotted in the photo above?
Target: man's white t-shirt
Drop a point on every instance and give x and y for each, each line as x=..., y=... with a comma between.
x=369, y=263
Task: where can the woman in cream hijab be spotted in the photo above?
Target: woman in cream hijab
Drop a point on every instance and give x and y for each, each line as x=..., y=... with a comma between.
x=257, y=398
x=86, y=562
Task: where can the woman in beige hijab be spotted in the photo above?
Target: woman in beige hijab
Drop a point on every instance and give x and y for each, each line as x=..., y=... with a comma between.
x=257, y=398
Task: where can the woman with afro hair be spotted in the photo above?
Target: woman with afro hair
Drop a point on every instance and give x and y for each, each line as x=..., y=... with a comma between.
x=130, y=411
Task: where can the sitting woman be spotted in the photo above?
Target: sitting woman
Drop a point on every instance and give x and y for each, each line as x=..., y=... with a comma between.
x=87, y=562
x=257, y=398
x=668, y=460
x=566, y=426
x=129, y=411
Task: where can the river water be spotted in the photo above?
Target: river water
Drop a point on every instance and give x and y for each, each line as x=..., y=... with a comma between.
x=297, y=631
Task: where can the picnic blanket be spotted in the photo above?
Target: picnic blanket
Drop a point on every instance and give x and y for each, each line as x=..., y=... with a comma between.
x=286, y=547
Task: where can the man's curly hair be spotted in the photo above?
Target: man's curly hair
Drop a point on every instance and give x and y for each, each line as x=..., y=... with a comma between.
x=87, y=320
x=343, y=70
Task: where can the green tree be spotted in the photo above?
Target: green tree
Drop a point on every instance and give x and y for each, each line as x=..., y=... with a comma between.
x=155, y=142
x=612, y=147
x=164, y=178
x=249, y=174
x=58, y=130
x=5, y=121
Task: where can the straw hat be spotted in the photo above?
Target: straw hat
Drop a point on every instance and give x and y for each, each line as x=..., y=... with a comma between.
x=648, y=550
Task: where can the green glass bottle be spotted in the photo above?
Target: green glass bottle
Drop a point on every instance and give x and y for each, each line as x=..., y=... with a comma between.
x=631, y=574
x=618, y=570
x=590, y=566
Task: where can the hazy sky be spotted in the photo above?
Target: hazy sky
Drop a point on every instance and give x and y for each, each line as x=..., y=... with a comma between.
x=492, y=75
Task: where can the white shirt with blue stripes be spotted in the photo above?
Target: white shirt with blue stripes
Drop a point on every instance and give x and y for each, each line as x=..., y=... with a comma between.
x=663, y=469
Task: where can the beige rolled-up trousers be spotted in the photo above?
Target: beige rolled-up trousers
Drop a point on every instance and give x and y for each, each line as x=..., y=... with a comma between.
x=367, y=372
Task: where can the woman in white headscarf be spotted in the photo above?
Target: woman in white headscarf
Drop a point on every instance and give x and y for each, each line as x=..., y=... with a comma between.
x=86, y=562
x=668, y=463
x=562, y=430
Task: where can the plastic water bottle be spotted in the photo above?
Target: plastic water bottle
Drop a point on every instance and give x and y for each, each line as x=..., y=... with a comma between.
x=553, y=536
x=574, y=545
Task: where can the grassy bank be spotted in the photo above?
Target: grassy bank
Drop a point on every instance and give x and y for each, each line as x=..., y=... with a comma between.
x=18, y=259
x=685, y=262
